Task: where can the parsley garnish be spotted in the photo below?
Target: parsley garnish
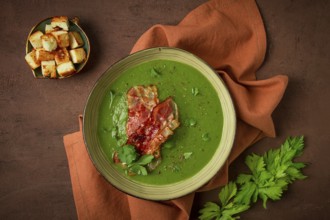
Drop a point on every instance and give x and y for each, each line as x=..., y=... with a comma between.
x=127, y=154
x=270, y=175
x=134, y=165
x=205, y=137
x=194, y=91
x=138, y=166
x=187, y=155
x=192, y=122
x=154, y=72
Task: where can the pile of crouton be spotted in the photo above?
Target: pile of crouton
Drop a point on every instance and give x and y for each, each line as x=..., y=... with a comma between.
x=57, y=50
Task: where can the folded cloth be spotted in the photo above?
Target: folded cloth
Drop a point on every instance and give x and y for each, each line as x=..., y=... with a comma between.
x=230, y=36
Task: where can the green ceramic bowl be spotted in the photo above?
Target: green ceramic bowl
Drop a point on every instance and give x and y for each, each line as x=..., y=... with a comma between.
x=74, y=26
x=150, y=191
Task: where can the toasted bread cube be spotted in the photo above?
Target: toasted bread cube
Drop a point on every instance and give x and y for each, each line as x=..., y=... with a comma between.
x=62, y=38
x=31, y=59
x=78, y=55
x=48, y=68
x=49, y=28
x=35, y=39
x=66, y=69
x=62, y=56
x=44, y=55
x=49, y=42
x=60, y=22
x=75, y=40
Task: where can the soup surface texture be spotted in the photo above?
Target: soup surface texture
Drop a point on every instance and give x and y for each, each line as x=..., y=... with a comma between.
x=193, y=143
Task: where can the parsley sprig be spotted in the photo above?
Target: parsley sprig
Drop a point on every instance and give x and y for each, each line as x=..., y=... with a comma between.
x=270, y=175
x=134, y=164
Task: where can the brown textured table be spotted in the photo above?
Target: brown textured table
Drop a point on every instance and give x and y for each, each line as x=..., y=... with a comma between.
x=35, y=114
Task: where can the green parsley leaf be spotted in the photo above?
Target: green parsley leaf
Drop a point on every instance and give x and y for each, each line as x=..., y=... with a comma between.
x=236, y=209
x=134, y=165
x=273, y=192
x=245, y=193
x=205, y=137
x=264, y=177
x=227, y=192
x=269, y=178
x=255, y=163
x=127, y=154
x=210, y=211
x=194, y=91
x=243, y=178
x=154, y=72
x=187, y=155
x=294, y=174
x=145, y=159
x=192, y=122
x=138, y=169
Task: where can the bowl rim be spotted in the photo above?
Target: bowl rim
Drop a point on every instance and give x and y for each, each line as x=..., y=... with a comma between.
x=75, y=20
x=232, y=119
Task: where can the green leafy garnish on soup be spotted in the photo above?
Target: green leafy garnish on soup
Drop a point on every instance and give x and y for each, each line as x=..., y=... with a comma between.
x=195, y=91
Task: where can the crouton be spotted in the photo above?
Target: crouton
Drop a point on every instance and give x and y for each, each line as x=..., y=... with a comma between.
x=49, y=42
x=44, y=55
x=62, y=38
x=31, y=59
x=48, y=68
x=49, y=29
x=62, y=56
x=75, y=40
x=66, y=69
x=60, y=22
x=35, y=39
x=78, y=55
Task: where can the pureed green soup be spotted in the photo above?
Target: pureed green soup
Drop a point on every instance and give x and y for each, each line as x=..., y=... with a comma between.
x=194, y=142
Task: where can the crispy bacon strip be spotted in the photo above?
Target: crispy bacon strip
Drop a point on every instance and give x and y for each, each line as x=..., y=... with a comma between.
x=164, y=120
x=141, y=100
x=150, y=125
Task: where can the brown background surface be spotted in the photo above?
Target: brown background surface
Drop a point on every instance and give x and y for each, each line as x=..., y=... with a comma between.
x=35, y=114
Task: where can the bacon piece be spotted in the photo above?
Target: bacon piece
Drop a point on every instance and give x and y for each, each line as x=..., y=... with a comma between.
x=149, y=123
x=165, y=118
x=141, y=100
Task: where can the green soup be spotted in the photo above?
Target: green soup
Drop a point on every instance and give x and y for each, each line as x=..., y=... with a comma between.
x=194, y=142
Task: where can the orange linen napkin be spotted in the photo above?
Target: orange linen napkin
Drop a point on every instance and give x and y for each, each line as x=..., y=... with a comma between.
x=230, y=36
